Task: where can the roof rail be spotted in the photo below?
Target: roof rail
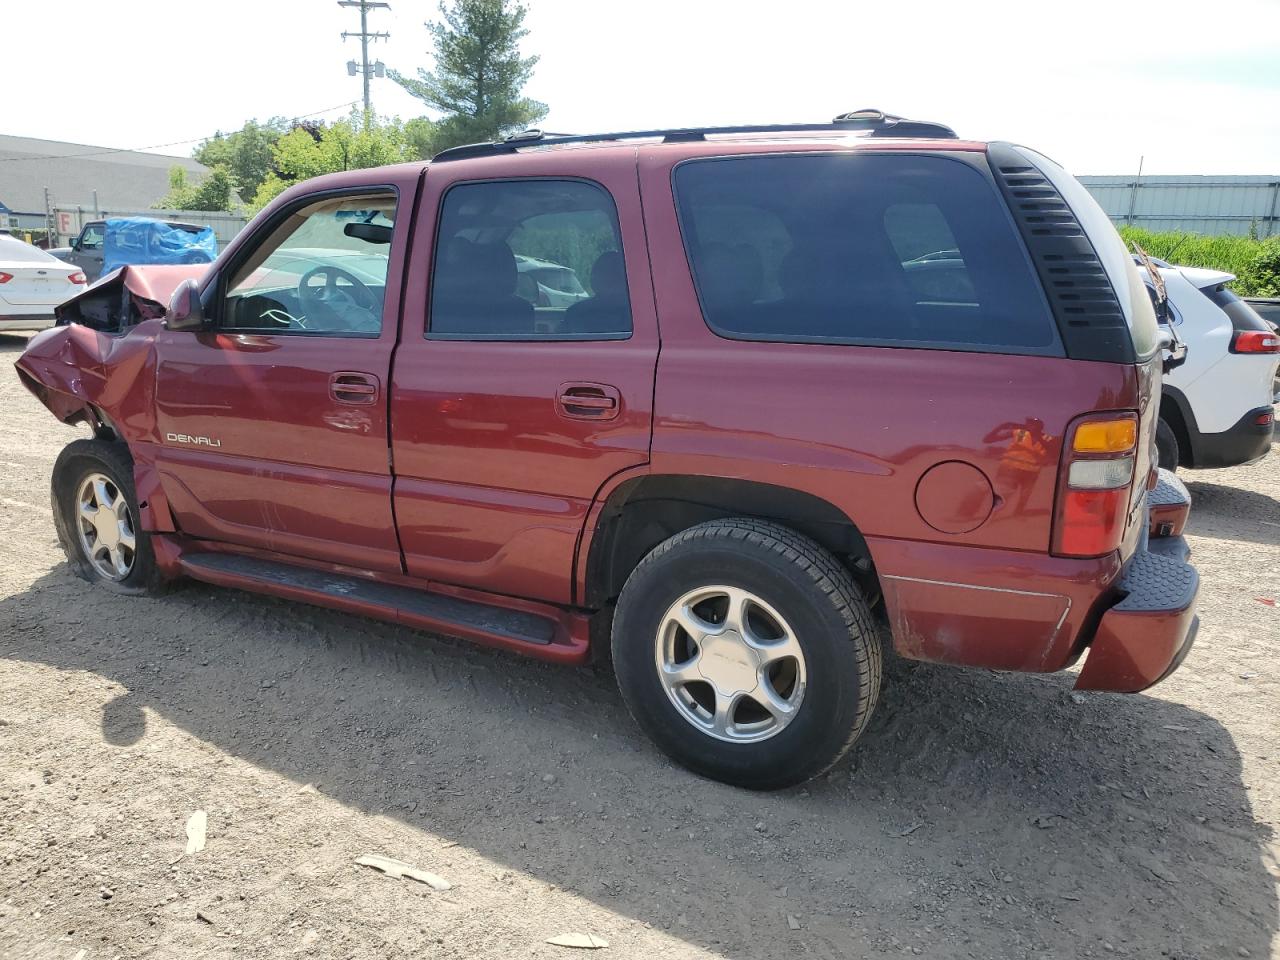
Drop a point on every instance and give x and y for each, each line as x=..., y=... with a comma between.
x=875, y=122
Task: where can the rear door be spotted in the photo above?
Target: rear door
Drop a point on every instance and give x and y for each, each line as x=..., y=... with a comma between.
x=273, y=424
x=524, y=379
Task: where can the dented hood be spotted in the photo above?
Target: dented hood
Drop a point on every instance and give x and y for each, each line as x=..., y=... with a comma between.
x=154, y=283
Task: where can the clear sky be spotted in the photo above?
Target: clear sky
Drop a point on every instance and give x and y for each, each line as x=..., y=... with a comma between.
x=1192, y=86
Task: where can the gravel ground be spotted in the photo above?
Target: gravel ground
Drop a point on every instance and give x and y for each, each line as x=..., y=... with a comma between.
x=983, y=815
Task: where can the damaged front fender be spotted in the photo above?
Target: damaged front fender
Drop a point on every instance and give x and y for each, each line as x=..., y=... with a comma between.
x=106, y=379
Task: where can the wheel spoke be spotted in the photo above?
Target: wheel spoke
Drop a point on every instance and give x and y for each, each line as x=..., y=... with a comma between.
x=88, y=512
x=678, y=674
x=693, y=625
x=127, y=538
x=119, y=561
x=779, y=707
x=735, y=617
x=786, y=648
x=101, y=495
x=722, y=719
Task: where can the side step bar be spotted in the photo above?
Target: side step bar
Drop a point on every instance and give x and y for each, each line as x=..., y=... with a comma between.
x=555, y=635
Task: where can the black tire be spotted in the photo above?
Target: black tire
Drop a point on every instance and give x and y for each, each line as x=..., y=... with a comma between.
x=829, y=618
x=75, y=463
x=1167, y=445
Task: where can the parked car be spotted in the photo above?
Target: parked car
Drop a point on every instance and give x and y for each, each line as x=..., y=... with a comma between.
x=829, y=445
x=1216, y=409
x=1268, y=308
x=104, y=245
x=32, y=283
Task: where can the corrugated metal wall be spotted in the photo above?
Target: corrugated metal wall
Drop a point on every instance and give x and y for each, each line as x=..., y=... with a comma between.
x=1212, y=205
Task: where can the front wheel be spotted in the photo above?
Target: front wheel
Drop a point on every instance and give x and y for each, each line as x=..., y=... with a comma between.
x=95, y=511
x=747, y=653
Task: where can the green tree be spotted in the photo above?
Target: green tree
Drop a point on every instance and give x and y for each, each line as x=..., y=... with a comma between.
x=309, y=150
x=214, y=193
x=245, y=153
x=479, y=74
x=422, y=137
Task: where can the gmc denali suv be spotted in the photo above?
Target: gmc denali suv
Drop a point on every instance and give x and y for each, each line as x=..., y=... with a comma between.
x=771, y=393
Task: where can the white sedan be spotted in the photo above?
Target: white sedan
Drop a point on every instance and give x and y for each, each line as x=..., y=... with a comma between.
x=32, y=283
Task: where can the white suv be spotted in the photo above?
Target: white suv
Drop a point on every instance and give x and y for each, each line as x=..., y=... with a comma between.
x=1216, y=408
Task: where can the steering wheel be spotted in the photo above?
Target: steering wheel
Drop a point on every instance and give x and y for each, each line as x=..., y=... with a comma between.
x=322, y=299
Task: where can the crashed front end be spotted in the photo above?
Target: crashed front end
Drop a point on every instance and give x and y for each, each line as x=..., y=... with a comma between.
x=97, y=366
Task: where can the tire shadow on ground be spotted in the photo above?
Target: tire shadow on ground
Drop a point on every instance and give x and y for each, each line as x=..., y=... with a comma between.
x=995, y=810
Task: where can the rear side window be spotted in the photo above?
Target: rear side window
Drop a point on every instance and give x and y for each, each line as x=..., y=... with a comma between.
x=890, y=250
x=529, y=260
x=1241, y=315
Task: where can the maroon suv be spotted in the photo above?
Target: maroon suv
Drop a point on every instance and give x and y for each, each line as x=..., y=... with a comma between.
x=727, y=401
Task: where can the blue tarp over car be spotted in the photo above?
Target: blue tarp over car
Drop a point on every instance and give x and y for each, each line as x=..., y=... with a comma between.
x=132, y=240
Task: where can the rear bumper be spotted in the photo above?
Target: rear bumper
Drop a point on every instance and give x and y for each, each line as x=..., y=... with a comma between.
x=977, y=607
x=1144, y=637
x=1243, y=442
x=26, y=318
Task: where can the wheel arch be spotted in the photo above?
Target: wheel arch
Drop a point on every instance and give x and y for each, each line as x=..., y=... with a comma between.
x=640, y=512
x=1176, y=411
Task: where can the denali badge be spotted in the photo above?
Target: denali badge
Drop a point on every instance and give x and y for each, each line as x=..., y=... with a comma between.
x=198, y=441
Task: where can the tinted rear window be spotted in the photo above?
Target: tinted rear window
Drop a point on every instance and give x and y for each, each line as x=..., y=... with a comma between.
x=1241, y=314
x=891, y=250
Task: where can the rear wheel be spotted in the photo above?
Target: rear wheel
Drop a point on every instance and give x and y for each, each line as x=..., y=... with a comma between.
x=95, y=511
x=1167, y=445
x=747, y=653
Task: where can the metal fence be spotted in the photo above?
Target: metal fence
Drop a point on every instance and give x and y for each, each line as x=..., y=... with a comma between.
x=1211, y=204
x=67, y=220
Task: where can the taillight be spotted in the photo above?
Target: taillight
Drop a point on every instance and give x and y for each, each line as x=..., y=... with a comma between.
x=5, y=277
x=1255, y=341
x=1097, y=476
x=77, y=277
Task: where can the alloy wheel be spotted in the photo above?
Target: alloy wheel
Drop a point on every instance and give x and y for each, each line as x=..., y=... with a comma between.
x=731, y=664
x=105, y=526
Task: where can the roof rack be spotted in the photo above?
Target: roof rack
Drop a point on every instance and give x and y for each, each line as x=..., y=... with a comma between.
x=876, y=123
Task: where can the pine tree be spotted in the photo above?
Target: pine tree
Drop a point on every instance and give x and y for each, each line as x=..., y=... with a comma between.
x=479, y=74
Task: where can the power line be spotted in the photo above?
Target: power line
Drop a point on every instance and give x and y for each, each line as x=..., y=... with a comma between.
x=365, y=36
x=174, y=143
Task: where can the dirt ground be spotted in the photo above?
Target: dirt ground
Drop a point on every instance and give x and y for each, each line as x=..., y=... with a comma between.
x=983, y=815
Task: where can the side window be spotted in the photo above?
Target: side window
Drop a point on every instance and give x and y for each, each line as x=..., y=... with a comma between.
x=893, y=250
x=323, y=271
x=91, y=239
x=529, y=260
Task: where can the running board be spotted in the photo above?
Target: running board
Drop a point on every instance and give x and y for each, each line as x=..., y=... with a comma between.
x=555, y=636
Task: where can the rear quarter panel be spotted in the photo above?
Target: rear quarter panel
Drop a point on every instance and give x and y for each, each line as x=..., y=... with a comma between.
x=860, y=426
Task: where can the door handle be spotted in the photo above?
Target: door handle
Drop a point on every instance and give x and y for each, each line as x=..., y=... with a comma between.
x=588, y=401
x=348, y=386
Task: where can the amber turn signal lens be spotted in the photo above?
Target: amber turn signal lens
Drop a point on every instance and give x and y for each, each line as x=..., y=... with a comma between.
x=1106, y=436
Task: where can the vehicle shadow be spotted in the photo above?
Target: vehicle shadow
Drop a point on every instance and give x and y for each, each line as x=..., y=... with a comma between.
x=1230, y=513
x=983, y=814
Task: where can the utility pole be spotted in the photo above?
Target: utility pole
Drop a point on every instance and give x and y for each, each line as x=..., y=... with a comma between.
x=365, y=68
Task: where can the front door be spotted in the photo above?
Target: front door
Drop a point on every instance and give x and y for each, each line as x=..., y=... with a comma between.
x=87, y=249
x=273, y=423
x=524, y=379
